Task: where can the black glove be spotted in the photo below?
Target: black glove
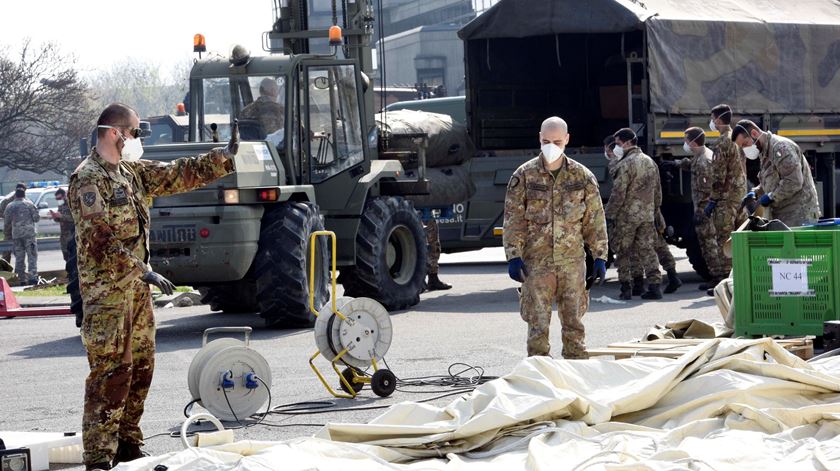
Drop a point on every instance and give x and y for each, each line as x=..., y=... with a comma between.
x=233, y=144
x=158, y=280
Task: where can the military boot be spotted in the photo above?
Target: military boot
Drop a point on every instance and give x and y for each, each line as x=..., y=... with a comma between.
x=709, y=284
x=638, y=285
x=626, y=291
x=128, y=452
x=434, y=283
x=104, y=466
x=654, y=292
x=674, y=281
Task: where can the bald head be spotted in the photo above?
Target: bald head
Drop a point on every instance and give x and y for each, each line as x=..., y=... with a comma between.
x=554, y=131
x=268, y=87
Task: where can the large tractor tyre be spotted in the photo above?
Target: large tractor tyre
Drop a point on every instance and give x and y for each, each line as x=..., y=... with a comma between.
x=391, y=255
x=236, y=297
x=695, y=257
x=72, y=268
x=281, y=267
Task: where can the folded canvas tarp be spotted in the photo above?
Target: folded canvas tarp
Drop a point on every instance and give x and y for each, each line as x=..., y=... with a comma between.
x=449, y=143
x=726, y=405
x=776, y=56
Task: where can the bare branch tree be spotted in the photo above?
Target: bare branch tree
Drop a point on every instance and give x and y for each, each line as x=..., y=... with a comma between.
x=140, y=85
x=44, y=109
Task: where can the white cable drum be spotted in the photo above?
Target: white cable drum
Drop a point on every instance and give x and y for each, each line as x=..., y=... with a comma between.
x=366, y=333
x=212, y=362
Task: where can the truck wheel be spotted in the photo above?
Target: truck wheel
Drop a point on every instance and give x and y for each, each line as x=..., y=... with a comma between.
x=390, y=255
x=72, y=269
x=239, y=296
x=695, y=257
x=282, y=265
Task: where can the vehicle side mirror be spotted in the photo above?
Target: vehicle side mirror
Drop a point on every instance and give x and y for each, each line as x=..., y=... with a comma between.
x=43, y=205
x=145, y=129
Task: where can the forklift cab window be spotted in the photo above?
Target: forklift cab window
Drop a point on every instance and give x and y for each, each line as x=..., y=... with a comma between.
x=334, y=121
x=215, y=109
x=263, y=109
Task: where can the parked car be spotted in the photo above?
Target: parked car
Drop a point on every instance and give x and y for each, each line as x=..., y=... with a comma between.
x=44, y=199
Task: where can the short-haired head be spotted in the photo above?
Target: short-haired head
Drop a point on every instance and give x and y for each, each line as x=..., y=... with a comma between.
x=625, y=135
x=117, y=115
x=745, y=130
x=20, y=186
x=695, y=135
x=60, y=192
x=722, y=112
x=268, y=87
x=554, y=130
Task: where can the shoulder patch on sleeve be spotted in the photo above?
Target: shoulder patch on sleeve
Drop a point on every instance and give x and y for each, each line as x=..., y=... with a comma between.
x=92, y=203
x=513, y=183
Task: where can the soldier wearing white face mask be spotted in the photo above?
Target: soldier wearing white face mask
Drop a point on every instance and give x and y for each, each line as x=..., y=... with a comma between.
x=786, y=185
x=636, y=196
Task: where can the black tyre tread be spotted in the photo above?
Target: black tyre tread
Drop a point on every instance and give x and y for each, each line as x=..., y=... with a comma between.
x=281, y=269
x=695, y=257
x=370, y=276
x=236, y=297
x=71, y=266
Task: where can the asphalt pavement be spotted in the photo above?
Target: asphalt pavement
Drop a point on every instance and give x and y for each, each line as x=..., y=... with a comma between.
x=477, y=322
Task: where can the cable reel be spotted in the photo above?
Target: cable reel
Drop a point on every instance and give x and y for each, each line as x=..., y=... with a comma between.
x=227, y=377
x=354, y=331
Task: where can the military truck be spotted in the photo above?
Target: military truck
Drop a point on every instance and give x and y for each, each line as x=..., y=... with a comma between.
x=244, y=240
x=655, y=66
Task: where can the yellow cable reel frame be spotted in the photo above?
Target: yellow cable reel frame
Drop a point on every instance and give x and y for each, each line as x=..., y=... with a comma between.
x=357, y=378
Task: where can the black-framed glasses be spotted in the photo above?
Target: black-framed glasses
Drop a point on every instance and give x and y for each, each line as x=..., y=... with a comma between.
x=133, y=132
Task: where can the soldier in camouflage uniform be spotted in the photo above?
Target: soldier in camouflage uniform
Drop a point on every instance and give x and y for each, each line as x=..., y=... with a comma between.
x=729, y=181
x=64, y=218
x=7, y=255
x=265, y=109
x=630, y=212
x=700, y=165
x=552, y=208
x=108, y=196
x=660, y=245
x=432, y=267
x=19, y=219
x=786, y=185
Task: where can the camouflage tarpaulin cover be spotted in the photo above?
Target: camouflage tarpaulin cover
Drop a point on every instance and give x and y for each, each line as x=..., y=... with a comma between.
x=759, y=56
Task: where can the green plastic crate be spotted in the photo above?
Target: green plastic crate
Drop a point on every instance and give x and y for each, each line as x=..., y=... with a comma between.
x=758, y=311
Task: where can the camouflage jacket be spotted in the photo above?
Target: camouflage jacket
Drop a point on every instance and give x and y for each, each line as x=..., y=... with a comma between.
x=110, y=205
x=3, y=204
x=65, y=221
x=786, y=176
x=729, y=174
x=701, y=178
x=548, y=219
x=636, y=192
x=267, y=112
x=20, y=218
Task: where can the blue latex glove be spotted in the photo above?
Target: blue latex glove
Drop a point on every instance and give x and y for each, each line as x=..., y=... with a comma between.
x=600, y=270
x=516, y=269
x=748, y=196
x=765, y=200
x=709, y=208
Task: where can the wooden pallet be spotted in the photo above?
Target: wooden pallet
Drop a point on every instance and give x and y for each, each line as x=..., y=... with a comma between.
x=675, y=348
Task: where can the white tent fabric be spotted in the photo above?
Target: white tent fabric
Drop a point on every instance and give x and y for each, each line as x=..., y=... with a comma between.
x=729, y=404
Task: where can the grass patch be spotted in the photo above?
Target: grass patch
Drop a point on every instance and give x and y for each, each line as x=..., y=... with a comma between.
x=59, y=290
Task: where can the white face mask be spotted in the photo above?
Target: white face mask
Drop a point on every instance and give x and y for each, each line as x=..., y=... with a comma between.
x=751, y=152
x=712, y=125
x=59, y=202
x=132, y=150
x=687, y=148
x=552, y=152
x=618, y=151
x=607, y=155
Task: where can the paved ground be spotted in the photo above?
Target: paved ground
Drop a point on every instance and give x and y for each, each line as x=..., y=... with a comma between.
x=44, y=366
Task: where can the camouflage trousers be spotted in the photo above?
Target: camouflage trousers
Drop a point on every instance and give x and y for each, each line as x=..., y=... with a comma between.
x=725, y=219
x=7, y=256
x=26, y=250
x=119, y=335
x=663, y=254
x=635, y=242
x=433, y=241
x=707, y=237
x=565, y=285
x=64, y=240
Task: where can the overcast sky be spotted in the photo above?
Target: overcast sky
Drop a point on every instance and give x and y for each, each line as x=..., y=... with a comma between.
x=101, y=32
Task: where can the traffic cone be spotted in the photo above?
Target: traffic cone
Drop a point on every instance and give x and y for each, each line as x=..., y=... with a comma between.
x=7, y=297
